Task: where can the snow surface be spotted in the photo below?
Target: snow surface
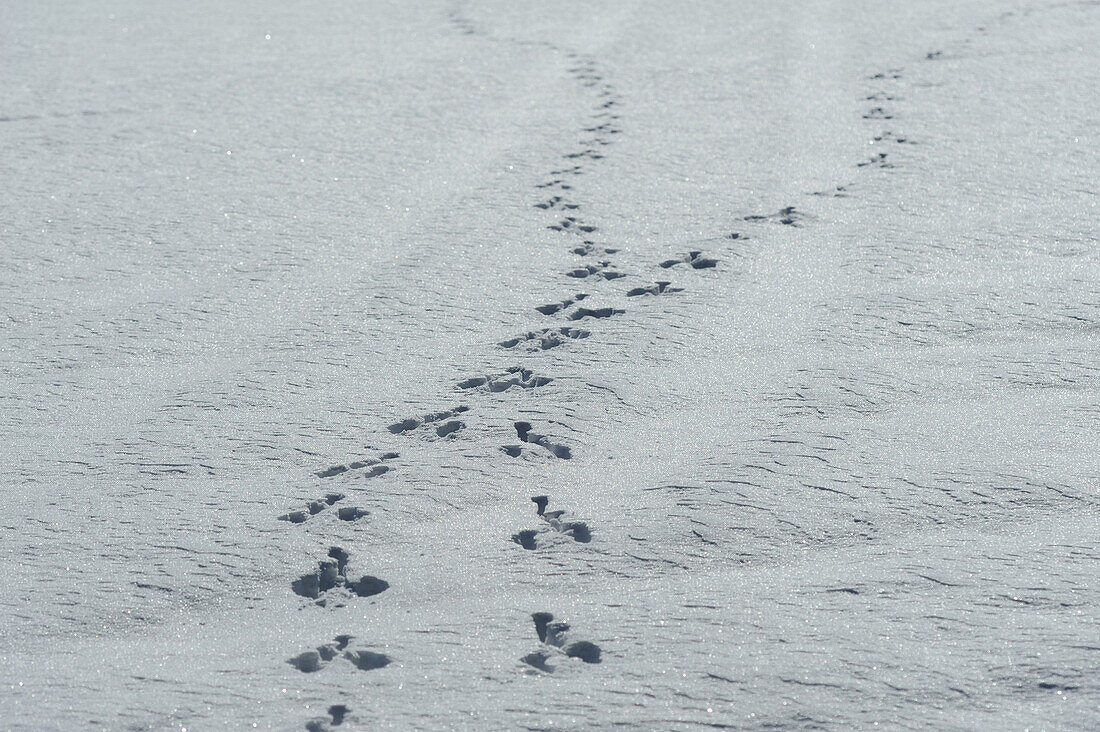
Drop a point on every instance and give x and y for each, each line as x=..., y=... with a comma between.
x=294, y=333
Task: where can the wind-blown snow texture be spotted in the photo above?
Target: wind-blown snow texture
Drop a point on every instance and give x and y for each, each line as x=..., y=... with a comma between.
x=550, y=365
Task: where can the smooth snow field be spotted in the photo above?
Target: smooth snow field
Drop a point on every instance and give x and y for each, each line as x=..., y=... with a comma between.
x=569, y=365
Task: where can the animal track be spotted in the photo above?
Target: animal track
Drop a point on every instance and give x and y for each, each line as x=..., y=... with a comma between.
x=376, y=467
x=582, y=313
x=887, y=136
x=367, y=660
x=571, y=223
x=449, y=428
x=557, y=202
x=331, y=575
x=313, y=661
x=660, y=288
x=878, y=161
x=351, y=513
x=606, y=128
x=557, y=182
x=556, y=638
x=445, y=430
x=588, y=247
x=878, y=113
x=695, y=260
x=556, y=307
x=788, y=216
x=546, y=338
x=586, y=153
x=337, y=712
x=461, y=24
x=555, y=520
x=514, y=376
x=523, y=431
x=837, y=192
x=599, y=270
x=312, y=508
x=888, y=74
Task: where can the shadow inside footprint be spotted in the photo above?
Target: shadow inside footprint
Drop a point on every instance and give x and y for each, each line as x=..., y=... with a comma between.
x=366, y=586
x=578, y=530
x=338, y=712
x=367, y=660
x=312, y=585
x=538, y=660
x=449, y=428
x=581, y=313
x=525, y=538
x=404, y=425
x=351, y=513
x=587, y=652
x=307, y=662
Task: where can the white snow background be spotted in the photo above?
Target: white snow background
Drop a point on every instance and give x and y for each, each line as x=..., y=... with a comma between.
x=303, y=303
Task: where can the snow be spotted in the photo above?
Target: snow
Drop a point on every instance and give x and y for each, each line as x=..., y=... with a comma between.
x=268, y=260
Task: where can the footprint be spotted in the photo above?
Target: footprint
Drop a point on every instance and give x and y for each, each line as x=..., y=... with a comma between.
x=523, y=431
x=449, y=428
x=526, y=538
x=331, y=575
x=586, y=153
x=588, y=247
x=545, y=339
x=888, y=74
x=538, y=660
x=559, y=306
x=452, y=426
x=336, y=712
x=313, y=661
x=581, y=313
x=836, y=192
x=788, y=216
x=695, y=260
x=599, y=270
x=890, y=136
x=877, y=113
x=376, y=467
x=557, y=521
x=312, y=508
x=351, y=513
x=514, y=376
x=556, y=638
x=367, y=660
x=660, y=288
x=572, y=224
x=878, y=161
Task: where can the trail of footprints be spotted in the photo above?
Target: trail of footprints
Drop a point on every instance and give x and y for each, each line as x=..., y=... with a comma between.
x=330, y=584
